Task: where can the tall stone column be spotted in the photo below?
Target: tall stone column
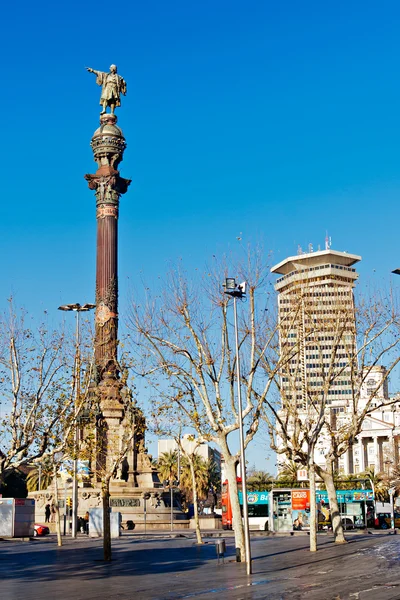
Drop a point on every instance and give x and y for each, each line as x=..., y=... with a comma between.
x=108, y=144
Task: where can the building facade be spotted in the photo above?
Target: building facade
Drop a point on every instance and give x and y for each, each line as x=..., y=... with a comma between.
x=317, y=335
x=377, y=445
x=316, y=320
x=189, y=445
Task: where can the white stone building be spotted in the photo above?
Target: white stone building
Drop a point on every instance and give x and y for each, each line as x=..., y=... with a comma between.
x=378, y=443
x=188, y=444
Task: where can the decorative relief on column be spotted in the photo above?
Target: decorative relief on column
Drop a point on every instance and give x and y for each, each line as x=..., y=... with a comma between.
x=108, y=187
x=111, y=293
x=107, y=210
x=103, y=314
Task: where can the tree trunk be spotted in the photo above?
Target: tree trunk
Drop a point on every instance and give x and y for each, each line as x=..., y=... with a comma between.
x=313, y=506
x=337, y=527
x=105, y=490
x=237, y=525
x=57, y=509
x=195, y=505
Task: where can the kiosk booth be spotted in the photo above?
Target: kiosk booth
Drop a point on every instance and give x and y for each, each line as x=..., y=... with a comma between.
x=290, y=510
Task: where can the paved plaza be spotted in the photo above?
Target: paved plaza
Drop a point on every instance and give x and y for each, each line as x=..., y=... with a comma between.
x=158, y=568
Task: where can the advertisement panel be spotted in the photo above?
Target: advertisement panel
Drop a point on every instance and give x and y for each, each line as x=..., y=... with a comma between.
x=300, y=499
x=346, y=495
x=67, y=467
x=255, y=497
x=301, y=509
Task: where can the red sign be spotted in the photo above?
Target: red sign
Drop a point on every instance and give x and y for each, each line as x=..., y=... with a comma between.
x=300, y=499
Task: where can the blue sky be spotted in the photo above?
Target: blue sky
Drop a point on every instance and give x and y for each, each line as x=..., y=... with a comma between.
x=273, y=122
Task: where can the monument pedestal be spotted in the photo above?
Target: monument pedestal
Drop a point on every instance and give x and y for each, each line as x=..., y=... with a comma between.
x=136, y=503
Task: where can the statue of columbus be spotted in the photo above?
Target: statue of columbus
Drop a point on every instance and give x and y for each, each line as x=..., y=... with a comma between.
x=113, y=85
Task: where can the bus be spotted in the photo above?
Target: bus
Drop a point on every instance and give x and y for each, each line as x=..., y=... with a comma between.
x=257, y=503
x=226, y=503
x=290, y=508
x=257, y=508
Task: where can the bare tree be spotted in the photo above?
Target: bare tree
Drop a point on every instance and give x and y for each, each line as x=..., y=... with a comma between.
x=39, y=406
x=185, y=339
x=169, y=422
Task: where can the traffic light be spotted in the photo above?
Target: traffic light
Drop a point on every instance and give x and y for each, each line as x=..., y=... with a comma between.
x=69, y=502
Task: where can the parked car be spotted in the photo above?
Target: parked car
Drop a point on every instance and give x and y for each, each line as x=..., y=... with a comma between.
x=384, y=520
x=347, y=523
x=40, y=530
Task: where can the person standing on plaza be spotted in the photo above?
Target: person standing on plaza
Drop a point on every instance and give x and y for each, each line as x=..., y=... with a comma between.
x=47, y=513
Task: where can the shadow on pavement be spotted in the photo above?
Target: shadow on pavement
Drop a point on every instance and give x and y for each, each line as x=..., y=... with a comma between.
x=51, y=563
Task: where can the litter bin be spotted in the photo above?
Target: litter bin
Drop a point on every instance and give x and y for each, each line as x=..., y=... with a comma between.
x=220, y=547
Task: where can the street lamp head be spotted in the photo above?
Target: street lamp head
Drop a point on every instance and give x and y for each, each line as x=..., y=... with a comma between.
x=230, y=284
x=66, y=307
x=77, y=307
x=396, y=271
x=88, y=306
x=233, y=289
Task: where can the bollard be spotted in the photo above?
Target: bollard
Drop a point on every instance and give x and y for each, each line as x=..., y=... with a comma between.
x=220, y=547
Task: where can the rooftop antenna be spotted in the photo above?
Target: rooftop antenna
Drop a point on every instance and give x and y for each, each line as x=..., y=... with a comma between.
x=299, y=250
x=328, y=242
x=310, y=248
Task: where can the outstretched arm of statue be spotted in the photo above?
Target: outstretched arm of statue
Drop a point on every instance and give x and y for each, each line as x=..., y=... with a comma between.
x=92, y=70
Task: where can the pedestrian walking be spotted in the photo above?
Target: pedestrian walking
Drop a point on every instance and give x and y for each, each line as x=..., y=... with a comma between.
x=53, y=514
x=86, y=519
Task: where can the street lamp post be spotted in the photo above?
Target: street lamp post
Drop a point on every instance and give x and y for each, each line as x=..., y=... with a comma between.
x=392, y=491
x=239, y=291
x=145, y=497
x=170, y=483
x=172, y=506
x=77, y=308
x=65, y=508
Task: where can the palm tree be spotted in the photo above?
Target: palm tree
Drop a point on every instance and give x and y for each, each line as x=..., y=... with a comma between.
x=201, y=473
x=43, y=471
x=260, y=481
x=167, y=466
x=347, y=482
x=214, y=479
x=288, y=475
x=378, y=483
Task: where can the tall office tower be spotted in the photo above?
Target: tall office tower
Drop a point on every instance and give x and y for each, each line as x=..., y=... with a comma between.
x=317, y=329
